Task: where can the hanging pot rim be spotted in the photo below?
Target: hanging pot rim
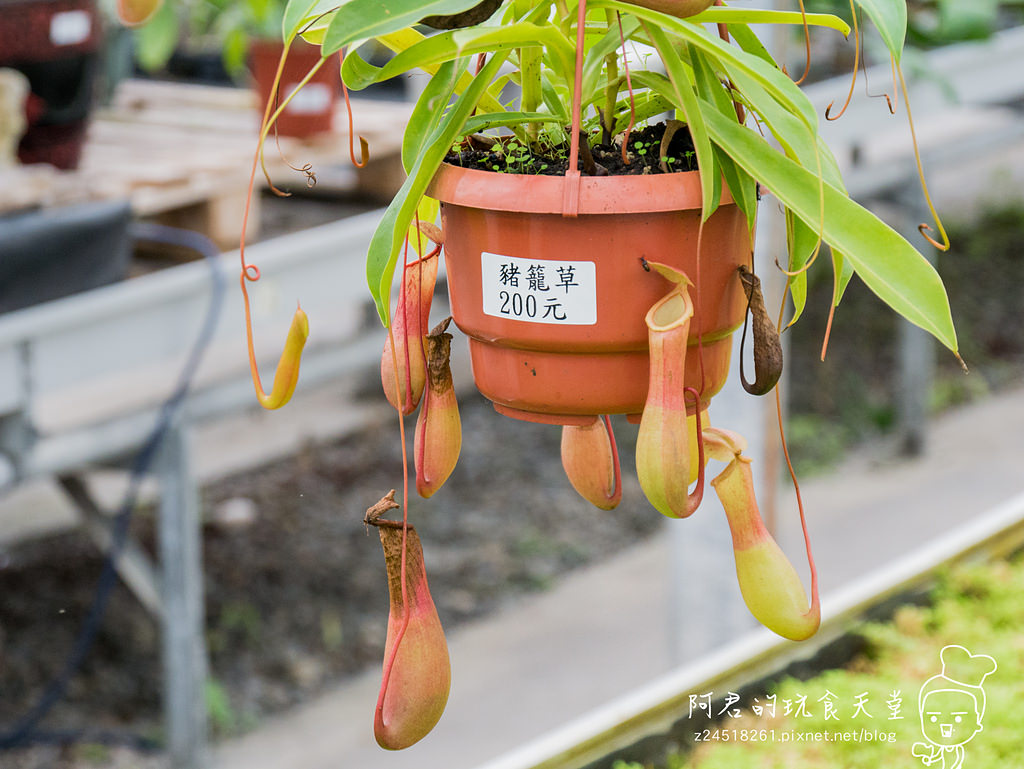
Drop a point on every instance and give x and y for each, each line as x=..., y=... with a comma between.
x=538, y=194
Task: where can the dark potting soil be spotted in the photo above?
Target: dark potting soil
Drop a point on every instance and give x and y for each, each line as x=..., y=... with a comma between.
x=643, y=150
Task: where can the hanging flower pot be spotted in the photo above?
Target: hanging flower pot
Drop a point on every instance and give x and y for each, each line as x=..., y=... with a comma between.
x=311, y=110
x=55, y=44
x=554, y=305
x=587, y=295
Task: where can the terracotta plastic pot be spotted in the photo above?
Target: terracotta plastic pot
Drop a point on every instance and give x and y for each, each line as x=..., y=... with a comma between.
x=55, y=44
x=554, y=306
x=312, y=110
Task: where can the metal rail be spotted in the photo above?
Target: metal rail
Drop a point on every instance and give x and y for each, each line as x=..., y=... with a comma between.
x=652, y=709
x=82, y=381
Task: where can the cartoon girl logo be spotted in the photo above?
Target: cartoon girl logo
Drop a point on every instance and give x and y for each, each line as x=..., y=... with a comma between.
x=952, y=704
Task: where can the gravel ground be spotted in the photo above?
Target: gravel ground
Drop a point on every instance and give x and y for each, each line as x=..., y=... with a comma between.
x=295, y=586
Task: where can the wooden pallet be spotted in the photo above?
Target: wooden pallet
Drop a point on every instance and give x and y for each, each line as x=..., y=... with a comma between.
x=182, y=154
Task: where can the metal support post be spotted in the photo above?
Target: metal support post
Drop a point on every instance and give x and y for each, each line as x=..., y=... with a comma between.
x=133, y=565
x=916, y=346
x=184, y=645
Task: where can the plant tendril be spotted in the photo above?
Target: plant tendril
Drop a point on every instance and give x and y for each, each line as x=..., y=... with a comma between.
x=807, y=45
x=694, y=499
x=867, y=89
x=364, y=146
x=924, y=228
x=856, y=67
x=815, y=598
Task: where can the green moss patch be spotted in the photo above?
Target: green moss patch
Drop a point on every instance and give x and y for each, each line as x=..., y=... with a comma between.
x=980, y=608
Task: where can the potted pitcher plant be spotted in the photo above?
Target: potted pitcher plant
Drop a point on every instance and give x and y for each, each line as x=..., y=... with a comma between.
x=598, y=257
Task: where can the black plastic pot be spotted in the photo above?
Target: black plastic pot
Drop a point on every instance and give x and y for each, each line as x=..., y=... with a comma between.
x=56, y=45
x=53, y=252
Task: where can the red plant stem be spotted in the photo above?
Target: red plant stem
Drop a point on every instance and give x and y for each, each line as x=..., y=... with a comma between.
x=698, y=493
x=363, y=159
x=629, y=86
x=389, y=663
x=807, y=45
x=799, y=499
x=697, y=317
x=577, y=89
x=853, y=81
x=615, y=456
x=723, y=32
x=251, y=271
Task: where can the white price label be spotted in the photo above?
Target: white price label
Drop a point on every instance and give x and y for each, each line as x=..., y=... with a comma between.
x=539, y=290
x=310, y=100
x=70, y=28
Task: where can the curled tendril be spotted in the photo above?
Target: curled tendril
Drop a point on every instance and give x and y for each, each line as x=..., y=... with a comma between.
x=723, y=33
x=867, y=89
x=856, y=66
x=828, y=330
x=697, y=495
x=794, y=273
x=364, y=147
x=924, y=228
x=815, y=598
x=807, y=45
x=287, y=372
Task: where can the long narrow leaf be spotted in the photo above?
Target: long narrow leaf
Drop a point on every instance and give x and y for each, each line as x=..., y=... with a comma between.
x=506, y=120
x=890, y=17
x=429, y=109
x=386, y=242
x=298, y=12
x=740, y=183
x=885, y=261
x=363, y=19
x=432, y=51
x=686, y=101
x=722, y=15
x=778, y=84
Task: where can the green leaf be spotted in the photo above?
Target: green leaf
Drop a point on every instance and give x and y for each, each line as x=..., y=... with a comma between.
x=157, y=38
x=506, y=120
x=890, y=18
x=387, y=239
x=842, y=272
x=801, y=242
x=751, y=43
x=741, y=185
x=429, y=109
x=686, y=100
x=608, y=44
x=885, y=261
x=297, y=13
x=233, y=51
x=646, y=106
x=362, y=19
x=447, y=46
x=755, y=16
x=784, y=90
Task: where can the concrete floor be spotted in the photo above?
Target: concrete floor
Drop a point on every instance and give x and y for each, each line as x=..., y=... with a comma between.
x=606, y=629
